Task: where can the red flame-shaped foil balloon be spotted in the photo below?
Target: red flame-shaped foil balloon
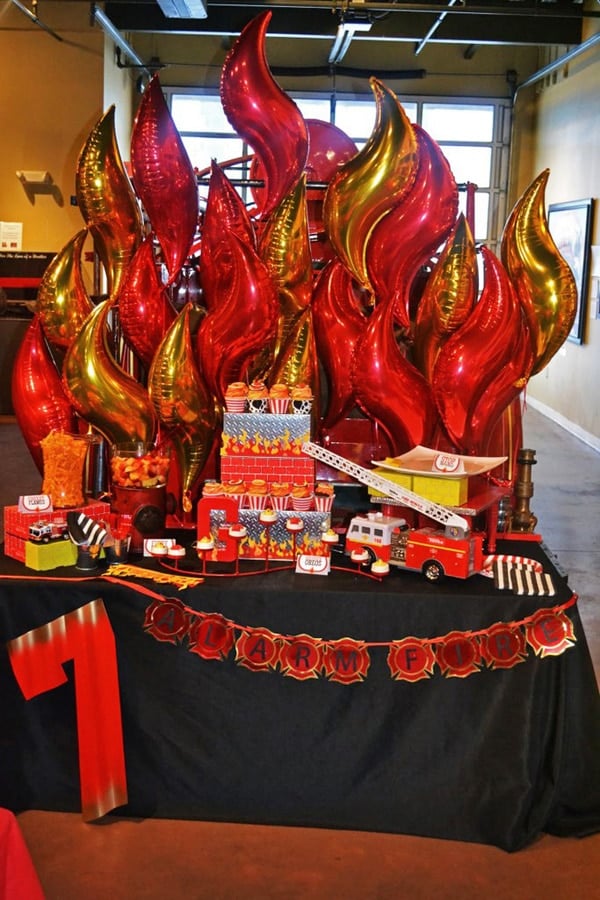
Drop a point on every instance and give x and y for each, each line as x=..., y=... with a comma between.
x=245, y=320
x=263, y=114
x=388, y=388
x=408, y=236
x=38, y=397
x=164, y=178
x=339, y=324
x=473, y=358
x=145, y=311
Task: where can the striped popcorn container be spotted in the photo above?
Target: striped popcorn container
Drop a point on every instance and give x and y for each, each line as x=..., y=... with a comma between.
x=279, y=405
x=324, y=502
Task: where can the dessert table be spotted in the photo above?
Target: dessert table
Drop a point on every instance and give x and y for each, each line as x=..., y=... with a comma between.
x=496, y=751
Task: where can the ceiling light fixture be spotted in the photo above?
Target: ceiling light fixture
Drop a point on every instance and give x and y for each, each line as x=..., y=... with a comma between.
x=350, y=24
x=183, y=9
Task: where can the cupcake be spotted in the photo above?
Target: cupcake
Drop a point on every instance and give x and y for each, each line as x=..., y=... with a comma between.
x=294, y=524
x=324, y=496
x=280, y=493
x=212, y=489
x=330, y=536
x=235, y=488
x=301, y=399
x=256, y=494
x=279, y=399
x=380, y=567
x=302, y=497
x=267, y=516
x=238, y=531
x=360, y=556
x=258, y=397
x=205, y=543
x=236, y=396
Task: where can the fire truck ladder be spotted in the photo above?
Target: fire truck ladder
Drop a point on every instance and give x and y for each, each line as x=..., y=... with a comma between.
x=401, y=495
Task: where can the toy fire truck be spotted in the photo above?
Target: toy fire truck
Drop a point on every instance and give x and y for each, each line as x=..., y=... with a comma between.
x=451, y=550
x=43, y=532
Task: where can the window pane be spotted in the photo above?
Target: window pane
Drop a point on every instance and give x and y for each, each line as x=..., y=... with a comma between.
x=202, y=150
x=357, y=117
x=200, y=112
x=313, y=108
x=469, y=163
x=482, y=205
x=455, y=122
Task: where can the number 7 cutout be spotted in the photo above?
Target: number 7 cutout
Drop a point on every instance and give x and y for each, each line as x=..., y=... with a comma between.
x=85, y=636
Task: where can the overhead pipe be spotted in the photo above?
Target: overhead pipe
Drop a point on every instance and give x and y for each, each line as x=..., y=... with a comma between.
x=108, y=27
x=422, y=43
x=558, y=63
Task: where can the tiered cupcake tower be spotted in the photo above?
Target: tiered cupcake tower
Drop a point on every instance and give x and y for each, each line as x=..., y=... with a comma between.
x=263, y=469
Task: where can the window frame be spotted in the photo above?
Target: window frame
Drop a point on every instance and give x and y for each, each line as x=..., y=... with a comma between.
x=499, y=145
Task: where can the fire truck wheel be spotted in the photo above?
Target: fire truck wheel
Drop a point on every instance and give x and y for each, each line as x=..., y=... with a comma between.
x=433, y=571
x=372, y=554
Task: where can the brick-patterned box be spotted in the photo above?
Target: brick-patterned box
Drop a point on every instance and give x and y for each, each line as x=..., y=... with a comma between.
x=270, y=468
x=264, y=434
x=17, y=524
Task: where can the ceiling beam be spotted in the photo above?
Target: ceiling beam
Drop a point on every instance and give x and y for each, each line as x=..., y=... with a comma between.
x=511, y=23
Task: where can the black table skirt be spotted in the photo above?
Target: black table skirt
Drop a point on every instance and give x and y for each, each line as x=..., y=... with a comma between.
x=498, y=757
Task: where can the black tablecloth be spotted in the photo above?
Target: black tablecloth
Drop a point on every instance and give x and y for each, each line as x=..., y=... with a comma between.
x=497, y=757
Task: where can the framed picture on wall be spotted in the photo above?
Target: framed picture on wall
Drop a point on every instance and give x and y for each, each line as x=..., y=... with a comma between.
x=570, y=224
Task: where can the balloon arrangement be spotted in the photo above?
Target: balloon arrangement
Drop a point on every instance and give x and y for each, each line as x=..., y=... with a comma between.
x=368, y=293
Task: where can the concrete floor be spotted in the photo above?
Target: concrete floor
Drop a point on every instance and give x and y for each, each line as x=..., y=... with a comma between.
x=158, y=859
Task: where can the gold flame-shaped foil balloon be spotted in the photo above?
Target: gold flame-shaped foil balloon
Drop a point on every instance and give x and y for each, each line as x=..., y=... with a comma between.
x=101, y=392
x=543, y=280
x=448, y=298
x=182, y=401
x=107, y=201
x=63, y=304
x=285, y=249
x=371, y=183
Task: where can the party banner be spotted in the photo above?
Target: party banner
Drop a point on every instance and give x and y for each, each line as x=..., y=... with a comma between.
x=457, y=654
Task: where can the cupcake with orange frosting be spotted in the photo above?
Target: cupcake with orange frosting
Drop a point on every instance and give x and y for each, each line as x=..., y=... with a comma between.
x=256, y=494
x=324, y=496
x=258, y=396
x=279, y=399
x=280, y=493
x=236, y=396
x=302, y=497
x=212, y=489
x=301, y=399
x=235, y=488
